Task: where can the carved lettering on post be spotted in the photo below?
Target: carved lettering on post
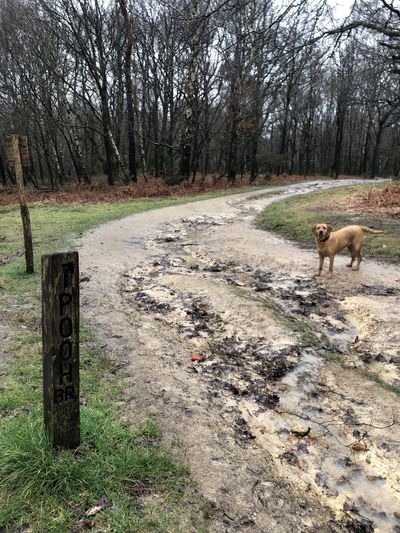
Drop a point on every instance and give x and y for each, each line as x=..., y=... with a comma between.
x=10, y=153
x=24, y=151
x=60, y=321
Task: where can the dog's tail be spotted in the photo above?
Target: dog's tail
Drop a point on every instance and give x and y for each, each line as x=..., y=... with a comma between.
x=369, y=230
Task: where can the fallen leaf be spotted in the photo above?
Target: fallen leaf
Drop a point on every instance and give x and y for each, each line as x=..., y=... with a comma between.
x=375, y=478
x=83, y=524
x=88, y=524
x=359, y=446
x=197, y=357
x=93, y=510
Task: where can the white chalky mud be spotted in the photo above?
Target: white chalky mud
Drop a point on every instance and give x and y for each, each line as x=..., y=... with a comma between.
x=279, y=438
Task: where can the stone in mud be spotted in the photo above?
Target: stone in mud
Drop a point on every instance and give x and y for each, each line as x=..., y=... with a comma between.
x=236, y=282
x=171, y=238
x=300, y=430
x=261, y=287
x=216, y=267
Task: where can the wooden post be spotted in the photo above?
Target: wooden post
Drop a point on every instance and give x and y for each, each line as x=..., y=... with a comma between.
x=60, y=330
x=16, y=146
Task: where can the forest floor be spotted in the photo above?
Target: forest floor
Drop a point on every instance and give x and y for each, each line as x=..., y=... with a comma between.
x=279, y=390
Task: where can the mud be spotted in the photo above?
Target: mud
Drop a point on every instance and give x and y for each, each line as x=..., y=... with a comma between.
x=281, y=422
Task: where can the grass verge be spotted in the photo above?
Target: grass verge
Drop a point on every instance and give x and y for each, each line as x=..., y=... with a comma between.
x=120, y=479
x=294, y=217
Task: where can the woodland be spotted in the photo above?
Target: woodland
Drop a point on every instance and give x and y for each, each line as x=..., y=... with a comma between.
x=183, y=89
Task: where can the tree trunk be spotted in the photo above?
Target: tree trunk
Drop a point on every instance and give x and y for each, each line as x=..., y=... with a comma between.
x=233, y=132
x=3, y=172
x=375, y=152
x=187, y=136
x=109, y=145
x=129, y=91
x=338, y=144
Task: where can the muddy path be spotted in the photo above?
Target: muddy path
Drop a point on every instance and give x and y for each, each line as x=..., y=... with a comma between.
x=289, y=422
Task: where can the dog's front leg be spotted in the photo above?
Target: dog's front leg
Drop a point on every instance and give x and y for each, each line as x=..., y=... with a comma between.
x=330, y=271
x=321, y=264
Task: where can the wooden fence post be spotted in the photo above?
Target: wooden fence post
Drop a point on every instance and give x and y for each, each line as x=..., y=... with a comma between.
x=60, y=330
x=17, y=153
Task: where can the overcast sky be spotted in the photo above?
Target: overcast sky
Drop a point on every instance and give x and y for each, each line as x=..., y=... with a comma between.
x=341, y=7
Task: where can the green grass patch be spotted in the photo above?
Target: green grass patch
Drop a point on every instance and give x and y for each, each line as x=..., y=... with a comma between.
x=52, y=491
x=294, y=217
x=142, y=488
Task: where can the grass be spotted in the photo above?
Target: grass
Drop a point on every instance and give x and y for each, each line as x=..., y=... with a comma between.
x=140, y=487
x=50, y=491
x=294, y=217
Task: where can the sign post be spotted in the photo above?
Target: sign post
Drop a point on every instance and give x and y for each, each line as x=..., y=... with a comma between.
x=18, y=156
x=60, y=330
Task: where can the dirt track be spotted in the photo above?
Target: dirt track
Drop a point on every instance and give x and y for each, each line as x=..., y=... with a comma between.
x=278, y=434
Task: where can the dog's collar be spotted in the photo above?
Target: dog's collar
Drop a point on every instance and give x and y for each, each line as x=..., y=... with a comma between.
x=323, y=240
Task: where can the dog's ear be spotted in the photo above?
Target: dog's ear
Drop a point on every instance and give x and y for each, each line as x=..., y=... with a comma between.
x=314, y=228
x=329, y=228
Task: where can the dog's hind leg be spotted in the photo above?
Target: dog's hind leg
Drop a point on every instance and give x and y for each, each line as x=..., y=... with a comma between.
x=357, y=253
x=353, y=255
x=359, y=259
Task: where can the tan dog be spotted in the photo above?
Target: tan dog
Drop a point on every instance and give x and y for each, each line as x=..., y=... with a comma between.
x=330, y=242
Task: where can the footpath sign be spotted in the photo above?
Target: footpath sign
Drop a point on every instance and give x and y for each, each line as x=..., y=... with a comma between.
x=18, y=156
x=60, y=330
x=17, y=149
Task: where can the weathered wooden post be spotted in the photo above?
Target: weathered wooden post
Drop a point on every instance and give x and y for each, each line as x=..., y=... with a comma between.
x=18, y=155
x=60, y=330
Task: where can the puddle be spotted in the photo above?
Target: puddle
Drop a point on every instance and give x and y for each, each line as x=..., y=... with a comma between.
x=301, y=381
